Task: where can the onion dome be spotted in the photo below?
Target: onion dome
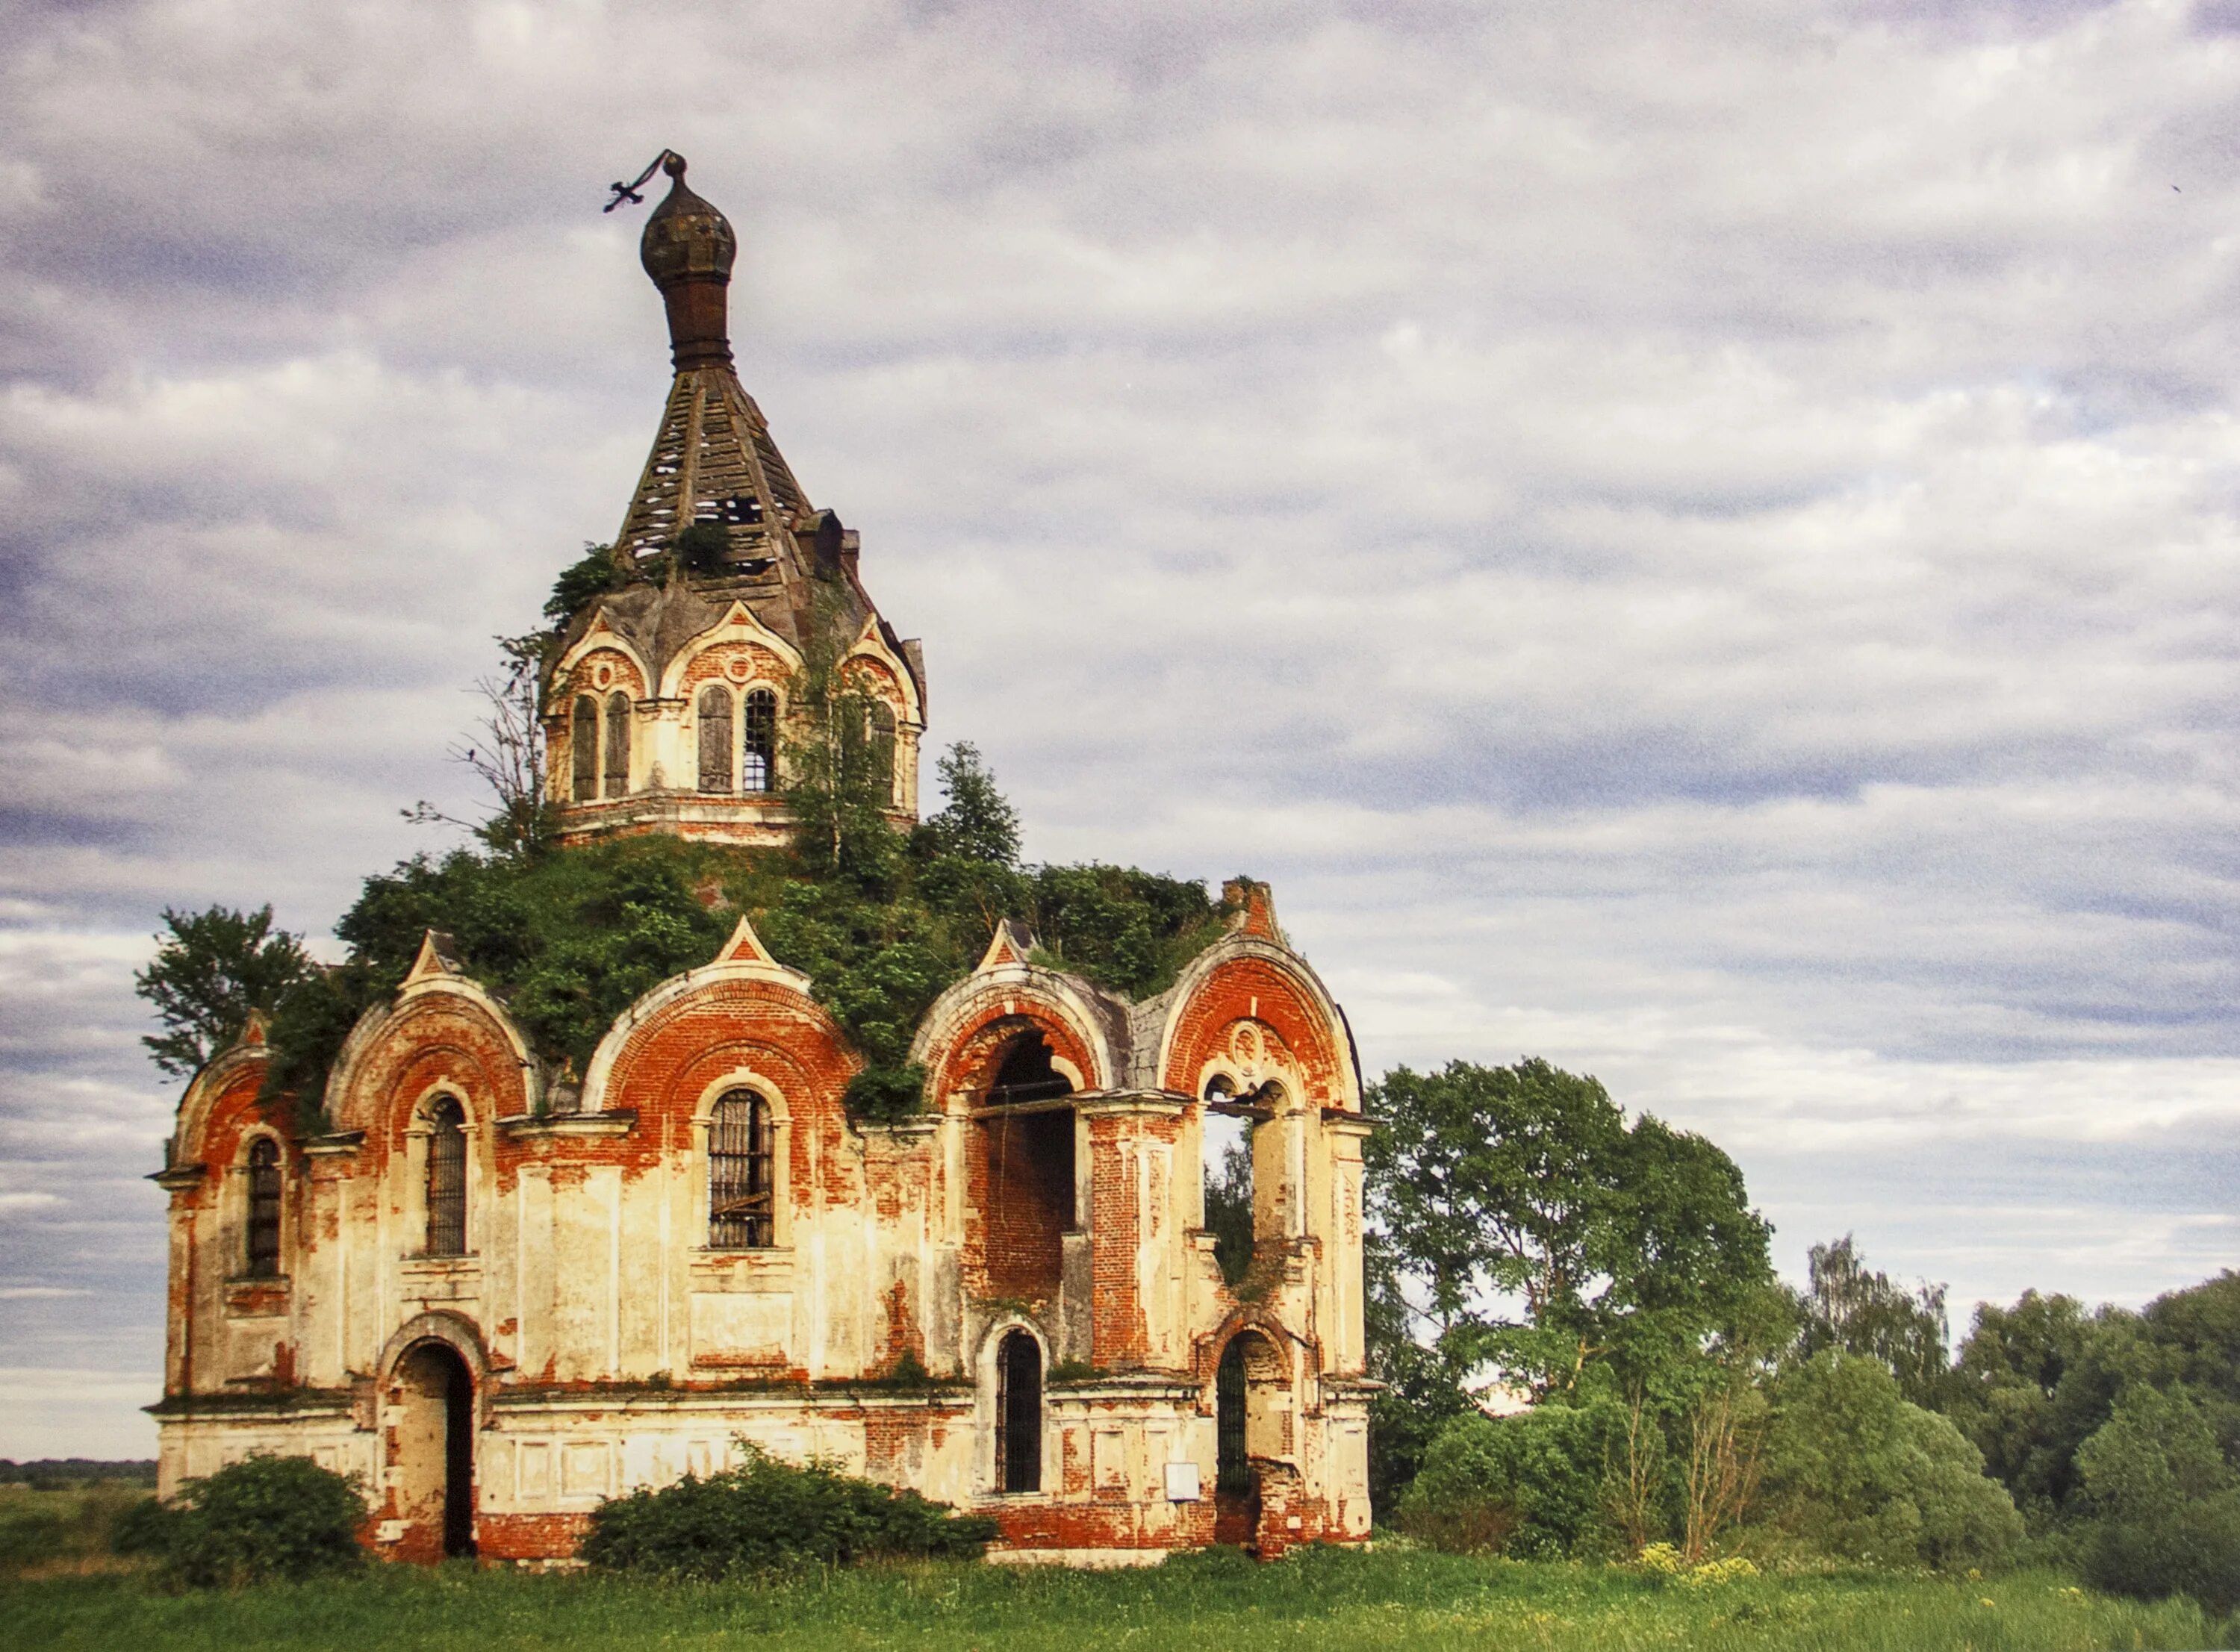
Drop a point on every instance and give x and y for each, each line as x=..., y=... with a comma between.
x=688, y=247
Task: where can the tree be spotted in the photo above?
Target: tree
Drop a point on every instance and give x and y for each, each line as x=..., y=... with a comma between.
x=2164, y=1501
x=977, y=822
x=1855, y=1471
x=1534, y=1232
x=841, y=766
x=209, y=975
x=1861, y=1311
x=507, y=753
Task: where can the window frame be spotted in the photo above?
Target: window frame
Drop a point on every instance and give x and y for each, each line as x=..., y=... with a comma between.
x=752, y=1192
x=702, y=701
x=446, y=1119
x=615, y=745
x=583, y=744
x=264, y=1211
x=757, y=709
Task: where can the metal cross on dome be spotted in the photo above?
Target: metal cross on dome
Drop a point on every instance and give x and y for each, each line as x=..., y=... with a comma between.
x=629, y=191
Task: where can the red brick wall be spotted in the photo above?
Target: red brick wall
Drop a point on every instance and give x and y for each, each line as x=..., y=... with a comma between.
x=1024, y=1189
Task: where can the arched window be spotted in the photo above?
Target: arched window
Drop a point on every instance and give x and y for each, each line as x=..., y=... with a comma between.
x=758, y=742
x=1018, y=1413
x=583, y=748
x=618, y=737
x=740, y=1211
x=716, y=738
x=264, y=1209
x=447, y=1179
x=883, y=744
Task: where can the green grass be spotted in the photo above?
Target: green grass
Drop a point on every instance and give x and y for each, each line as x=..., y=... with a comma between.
x=1319, y=1600
x=43, y=1533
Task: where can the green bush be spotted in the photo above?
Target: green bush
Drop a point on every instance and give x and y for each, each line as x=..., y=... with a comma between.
x=766, y=1514
x=569, y=937
x=1854, y=1471
x=2165, y=1505
x=1528, y=1485
x=261, y=1520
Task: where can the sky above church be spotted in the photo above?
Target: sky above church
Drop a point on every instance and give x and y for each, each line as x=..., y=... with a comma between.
x=1697, y=542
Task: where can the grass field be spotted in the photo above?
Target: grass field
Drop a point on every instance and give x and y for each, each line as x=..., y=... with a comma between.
x=1410, y=1599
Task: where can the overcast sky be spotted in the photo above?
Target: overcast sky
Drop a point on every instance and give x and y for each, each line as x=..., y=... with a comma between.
x=1697, y=542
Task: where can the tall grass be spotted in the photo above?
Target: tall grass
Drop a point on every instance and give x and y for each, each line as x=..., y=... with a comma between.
x=1333, y=1601
x=48, y=1532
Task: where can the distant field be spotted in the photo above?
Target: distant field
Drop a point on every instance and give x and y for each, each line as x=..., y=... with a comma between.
x=1315, y=1600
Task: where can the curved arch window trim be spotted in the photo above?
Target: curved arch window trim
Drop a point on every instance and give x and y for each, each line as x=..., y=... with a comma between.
x=446, y=1184
x=742, y=1173
x=261, y=1235
x=1018, y=1413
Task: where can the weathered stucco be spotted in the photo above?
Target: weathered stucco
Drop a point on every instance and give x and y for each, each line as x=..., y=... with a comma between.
x=609, y=1346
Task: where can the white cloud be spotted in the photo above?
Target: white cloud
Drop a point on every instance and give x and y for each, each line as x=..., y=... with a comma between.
x=1695, y=542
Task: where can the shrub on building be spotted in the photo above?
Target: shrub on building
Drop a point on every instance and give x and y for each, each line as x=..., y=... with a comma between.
x=766, y=1514
x=263, y=1520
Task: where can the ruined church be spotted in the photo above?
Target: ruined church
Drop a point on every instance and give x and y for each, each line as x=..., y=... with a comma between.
x=502, y=1292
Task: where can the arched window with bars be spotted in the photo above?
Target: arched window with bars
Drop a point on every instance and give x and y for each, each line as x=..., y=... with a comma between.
x=447, y=1178
x=741, y=1205
x=716, y=738
x=618, y=745
x=1018, y=1413
x=264, y=1235
x=584, y=748
x=758, y=742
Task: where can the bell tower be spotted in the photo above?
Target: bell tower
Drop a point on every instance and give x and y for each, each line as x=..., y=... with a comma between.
x=675, y=692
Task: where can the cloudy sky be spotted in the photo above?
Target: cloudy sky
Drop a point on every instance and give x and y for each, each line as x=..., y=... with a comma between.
x=1695, y=541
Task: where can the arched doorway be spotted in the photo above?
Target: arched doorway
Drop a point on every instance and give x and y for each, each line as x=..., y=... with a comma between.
x=1248, y=1424
x=435, y=1446
x=1018, y=1413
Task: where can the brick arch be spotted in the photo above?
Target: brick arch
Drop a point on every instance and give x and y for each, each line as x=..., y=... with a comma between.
x=225, y=1111
x=429, y=1038
x=1296, y=1029
x=627, y=673
x=695, y=1038
x=970, y=1041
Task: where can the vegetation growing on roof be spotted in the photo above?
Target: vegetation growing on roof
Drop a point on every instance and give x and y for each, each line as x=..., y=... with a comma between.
x=569, y=937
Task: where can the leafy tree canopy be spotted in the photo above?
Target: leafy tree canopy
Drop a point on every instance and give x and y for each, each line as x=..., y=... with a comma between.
x=212, y=971
x=569, y=938
x=1533, y=1230
x=1855, y=1470
x=1848, y=1305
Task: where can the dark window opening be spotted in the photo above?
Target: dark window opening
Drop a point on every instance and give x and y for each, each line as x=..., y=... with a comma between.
x=447, y=1180
x=716, y=738
x=1232, y=1473
x=1019, y=1413
x=758, y=742
x=584, y=748
x=740, y=509
x=264, y=1209
x=1027, y=1073
x=618, y=744
x=741, y=1212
